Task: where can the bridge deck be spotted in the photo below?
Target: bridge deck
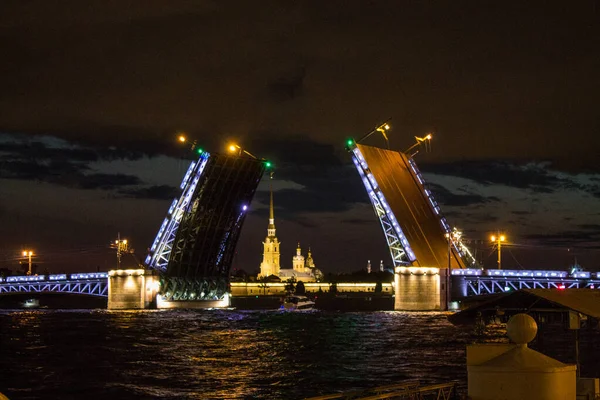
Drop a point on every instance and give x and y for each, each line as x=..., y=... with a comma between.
x=412, y=206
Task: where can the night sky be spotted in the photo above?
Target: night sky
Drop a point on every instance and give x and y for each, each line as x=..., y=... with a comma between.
x=93, y=93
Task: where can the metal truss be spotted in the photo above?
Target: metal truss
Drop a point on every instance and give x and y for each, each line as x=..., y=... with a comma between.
x=95, y=287
x=482, y=285
x=175, y=288
x=163, y=243
x=204, y=244
x=399, y=247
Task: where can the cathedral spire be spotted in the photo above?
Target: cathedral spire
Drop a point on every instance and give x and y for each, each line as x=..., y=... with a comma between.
x=270, y=265
x=271, y=229
x=271, y=211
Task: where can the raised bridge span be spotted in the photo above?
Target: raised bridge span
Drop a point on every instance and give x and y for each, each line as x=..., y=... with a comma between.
x=432, y=265
x=190, y=258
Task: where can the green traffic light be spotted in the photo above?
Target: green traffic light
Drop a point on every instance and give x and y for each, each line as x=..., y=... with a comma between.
x=268, y=164
x=349, y=142
x=200, y=151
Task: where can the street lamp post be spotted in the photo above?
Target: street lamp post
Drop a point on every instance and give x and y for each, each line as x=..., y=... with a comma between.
x=383, y=128
x=449, y=237
x=453, y=238
x=498, y=241
x=28, y=253
x=122, y=247
x=234, y=147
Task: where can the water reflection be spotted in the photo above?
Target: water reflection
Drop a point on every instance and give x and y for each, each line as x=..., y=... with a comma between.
x=224, y=354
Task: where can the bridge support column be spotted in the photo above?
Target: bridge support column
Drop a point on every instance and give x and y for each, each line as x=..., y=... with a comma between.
x=131, y=289
x=420, y=289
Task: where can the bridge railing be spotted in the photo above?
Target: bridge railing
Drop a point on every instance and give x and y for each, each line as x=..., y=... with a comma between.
x=526, y=273
x=405, y=390
x=476, y=282
x=54, y=277
x=92, y=284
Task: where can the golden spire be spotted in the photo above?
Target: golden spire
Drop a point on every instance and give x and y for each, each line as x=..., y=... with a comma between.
x=271, y=229
x=271, y=212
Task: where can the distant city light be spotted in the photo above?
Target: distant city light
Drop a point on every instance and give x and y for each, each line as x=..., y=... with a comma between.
x=244, y=207
x=182, y=138
x=268, y=164
x=232, y=147
x=200, y=151
x=349, y=142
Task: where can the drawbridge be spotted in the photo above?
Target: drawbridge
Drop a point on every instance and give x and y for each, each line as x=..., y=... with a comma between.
x=420, y=240
x=195, y=244
x=416, y=232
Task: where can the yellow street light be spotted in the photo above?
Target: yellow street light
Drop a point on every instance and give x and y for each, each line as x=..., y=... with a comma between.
x=382, y=129
x=418, y=142
x=182, y=138
x=498, y=241
x=422, y=139
x=28, y=253
x=234, y=147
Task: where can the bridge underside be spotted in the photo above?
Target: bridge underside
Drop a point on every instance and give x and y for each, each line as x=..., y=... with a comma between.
x=203, y=247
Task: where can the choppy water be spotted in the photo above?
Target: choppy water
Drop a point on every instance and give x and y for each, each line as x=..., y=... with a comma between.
x=222, y=354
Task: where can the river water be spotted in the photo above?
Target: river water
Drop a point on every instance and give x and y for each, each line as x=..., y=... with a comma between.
x=99, y=354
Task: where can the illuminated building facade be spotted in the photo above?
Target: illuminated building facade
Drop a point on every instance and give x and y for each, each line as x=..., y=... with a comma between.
x=303, y=269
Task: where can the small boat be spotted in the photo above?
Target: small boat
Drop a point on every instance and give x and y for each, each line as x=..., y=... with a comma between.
x=297, y=303
x=31, y=303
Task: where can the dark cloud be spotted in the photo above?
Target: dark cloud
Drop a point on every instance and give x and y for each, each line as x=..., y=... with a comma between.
x=66, y=167
x=593, y=227
x=332, y=190
x=520, y=212
x=594, y=191
x=447, y=198
x=535, y=177
x=329, y=183
x=576, y=239
x=297, y=156
x=44, y=146
x=356, y=221
x=24, y=149
x=40, y=170
x=158, y=192
x=106, y=181
x=480, y=219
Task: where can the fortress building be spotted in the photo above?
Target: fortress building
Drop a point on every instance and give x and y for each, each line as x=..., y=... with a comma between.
x=303, y=269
